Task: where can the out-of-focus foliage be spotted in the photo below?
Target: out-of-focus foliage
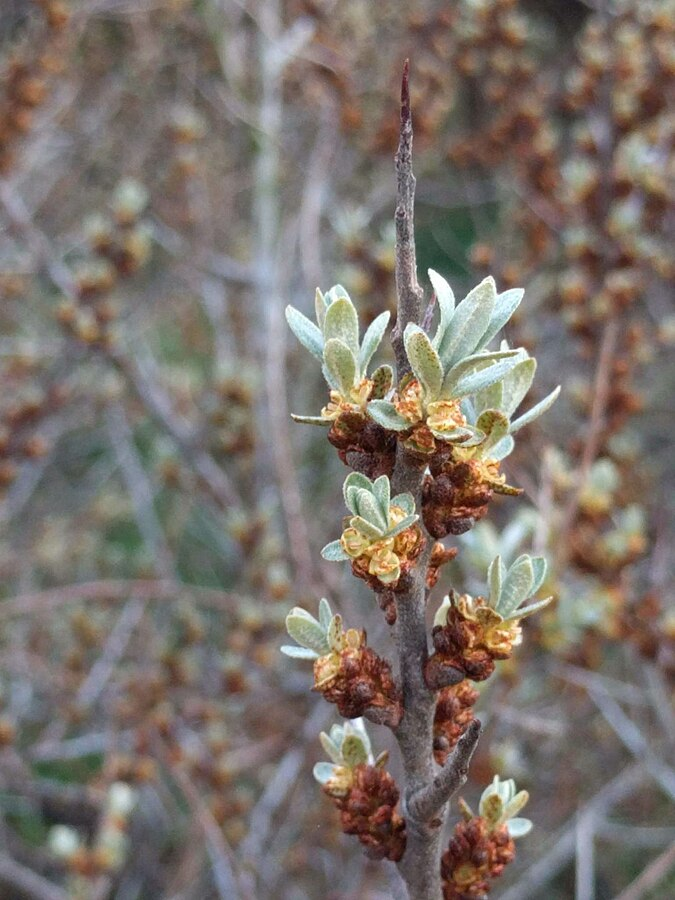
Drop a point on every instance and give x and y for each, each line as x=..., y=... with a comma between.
x=172, y=175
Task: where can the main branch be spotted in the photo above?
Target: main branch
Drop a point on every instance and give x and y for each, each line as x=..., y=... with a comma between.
x=426, y=794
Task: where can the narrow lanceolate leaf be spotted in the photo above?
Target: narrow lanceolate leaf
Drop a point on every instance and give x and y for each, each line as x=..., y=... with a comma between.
x=481, y=379
x=353, y=751
x=446, y=304
x=298, y=652
x=382, y=378
x=325, y=613
x=516, y=384
x=515, y=804
x=402, y=525
x=476, y=362
x=539, y=567
x=496, y=573
x=341, y=323
x=305, y=331
x=517, y=585
x=490, y=398
x=505, y=306
x=323, y=772
x=355, y=481
x=424, y=361
x=307, y=633
x=502, y=449
x=371, y=340
x=369, y=509
x=468, y=324
x=320, y=307
x=535, y=412
x=405, y=501
x=524, y=611
x=382, y=493
x=333, y=552
x=518, y=827
x=330, y=747
x=384, y=413
x=365, y=527
x=341, y=364
x=311, y=420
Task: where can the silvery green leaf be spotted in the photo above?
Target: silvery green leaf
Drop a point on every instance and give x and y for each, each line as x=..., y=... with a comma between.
x=325, y=613
x=480, y=379
x=371, y=340
x=369, y=509
x=355, y=480
x=424, y=360
x=496, y=574
x=495, y=425
x=475, y=363
x=516, y=384
x=307, y=633
x=323, y=772
x=405, y=501
x=298, y=652
x=539, y=568
x=366, y=527
x=384, y=413
x=517, y=585
x=477, y=436
x=490, y=398
x=382, y=493
x=382, y=378
x=311, y=420
x=341, y=364
x=302, y=614
x=358, y=727
x=468, y=323
x=402, y=525
x=353, y=751
x=342, y=324
x=502, y=449
x=518, y=827
x=305, y=331
x=331, y=381
x=333, y=552
x=331, y=748
x=515, y=802
x=335, y=293
x=505, y=306
x=320, y=309
x=446, y=304
x=334, y=637
x=535, y=412
x=524, y=611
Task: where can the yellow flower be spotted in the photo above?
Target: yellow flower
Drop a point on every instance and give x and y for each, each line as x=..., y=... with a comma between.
x=355, y=401
x=408, y=403
x=445, y=415
x=354, y=542
x=384, y=564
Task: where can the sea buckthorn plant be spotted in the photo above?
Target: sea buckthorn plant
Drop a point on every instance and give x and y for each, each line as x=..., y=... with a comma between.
x=425, y=443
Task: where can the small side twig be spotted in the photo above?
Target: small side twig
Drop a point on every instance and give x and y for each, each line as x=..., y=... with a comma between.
x=426, y=803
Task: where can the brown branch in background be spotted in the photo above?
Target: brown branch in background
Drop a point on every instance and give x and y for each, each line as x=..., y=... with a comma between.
x=651, y=877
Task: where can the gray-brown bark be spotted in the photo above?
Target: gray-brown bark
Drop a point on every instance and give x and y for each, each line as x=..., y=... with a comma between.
x=426, y=793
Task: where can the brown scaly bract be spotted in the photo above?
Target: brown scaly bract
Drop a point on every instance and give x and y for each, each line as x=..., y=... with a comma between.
x=474, y=856
x=369, y=811
x=458, y=492
x=454, y=714
x=363, y=445
x=357, y=679
x=387, y=556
